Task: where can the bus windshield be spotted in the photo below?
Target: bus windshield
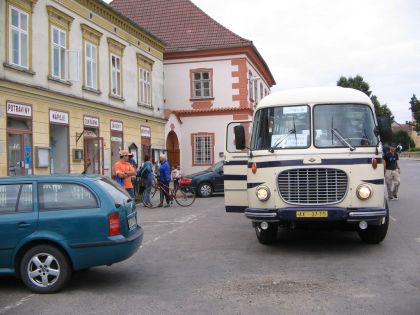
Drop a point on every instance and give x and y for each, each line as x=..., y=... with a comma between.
x=285, y=127
x=344, y=125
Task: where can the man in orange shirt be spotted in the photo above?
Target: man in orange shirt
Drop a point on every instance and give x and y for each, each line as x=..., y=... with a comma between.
x=125, y=170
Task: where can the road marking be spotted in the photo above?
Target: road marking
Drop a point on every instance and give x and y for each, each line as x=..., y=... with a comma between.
x=182, y=221
x=17, y=304
x=392, y=218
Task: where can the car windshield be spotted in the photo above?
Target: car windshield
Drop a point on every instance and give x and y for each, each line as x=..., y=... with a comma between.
x=117, y=193
x=215, y=167
x=285, y=127
x=344, y=125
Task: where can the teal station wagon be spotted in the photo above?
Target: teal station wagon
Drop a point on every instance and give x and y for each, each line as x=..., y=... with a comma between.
x=51, y=226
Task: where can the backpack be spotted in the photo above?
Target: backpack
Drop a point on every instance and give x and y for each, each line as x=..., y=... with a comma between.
x=143, y=172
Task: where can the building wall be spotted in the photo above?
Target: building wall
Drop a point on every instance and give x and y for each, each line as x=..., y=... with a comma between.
x=34, y=88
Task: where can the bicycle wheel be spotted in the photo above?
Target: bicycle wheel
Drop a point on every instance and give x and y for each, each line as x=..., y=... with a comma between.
x=184, y=196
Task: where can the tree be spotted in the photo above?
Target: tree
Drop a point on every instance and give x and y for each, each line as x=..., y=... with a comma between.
x=415, y=109
x=360, y=84
x=403, y=138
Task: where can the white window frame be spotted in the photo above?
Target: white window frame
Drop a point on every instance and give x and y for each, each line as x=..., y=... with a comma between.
x=201, y=81
x=114, y=72
x=145, y=87
x=92, y=63
x=204, y=154
x=62, y=60
x=21, y=33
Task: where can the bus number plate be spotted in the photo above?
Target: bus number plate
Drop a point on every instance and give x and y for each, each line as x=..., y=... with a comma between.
x=311, y=214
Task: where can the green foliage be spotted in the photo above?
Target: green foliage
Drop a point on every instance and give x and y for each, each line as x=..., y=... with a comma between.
x=403, y=138
x=360, y=84
x=415, y=109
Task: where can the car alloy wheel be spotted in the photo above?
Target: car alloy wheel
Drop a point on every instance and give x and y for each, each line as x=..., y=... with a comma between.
x=45, y=269
x=205, y=190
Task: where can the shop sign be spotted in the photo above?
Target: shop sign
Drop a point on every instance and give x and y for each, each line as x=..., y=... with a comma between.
x=145, y=132
x=116, y=125
x=19, y=109
x=59, y=117
x=91, y=121
x=116, y=139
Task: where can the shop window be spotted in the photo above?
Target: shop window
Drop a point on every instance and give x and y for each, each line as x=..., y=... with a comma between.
x=59, y=144
x=203, y=149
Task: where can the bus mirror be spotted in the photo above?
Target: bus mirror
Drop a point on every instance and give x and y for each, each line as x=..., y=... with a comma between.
x=239, y=137
x=384, y=129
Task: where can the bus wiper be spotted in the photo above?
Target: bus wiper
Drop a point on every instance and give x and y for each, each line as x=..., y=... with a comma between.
x=278, y=142
x=342, y=139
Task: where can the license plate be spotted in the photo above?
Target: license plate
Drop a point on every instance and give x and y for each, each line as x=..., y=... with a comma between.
x=132, y=222
x=311, y=214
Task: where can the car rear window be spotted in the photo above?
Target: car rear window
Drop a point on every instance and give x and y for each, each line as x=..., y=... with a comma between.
x=65, y=196
x=118, y=194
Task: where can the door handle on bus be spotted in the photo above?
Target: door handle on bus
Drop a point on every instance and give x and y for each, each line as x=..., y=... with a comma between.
x=23, y=224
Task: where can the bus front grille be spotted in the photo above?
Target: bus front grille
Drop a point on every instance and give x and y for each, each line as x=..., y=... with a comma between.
x=312, y=185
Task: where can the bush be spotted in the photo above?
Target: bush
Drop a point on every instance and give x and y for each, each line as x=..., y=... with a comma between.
x=402, y=137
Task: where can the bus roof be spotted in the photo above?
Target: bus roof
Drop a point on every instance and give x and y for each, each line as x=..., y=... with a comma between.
x=316, y=95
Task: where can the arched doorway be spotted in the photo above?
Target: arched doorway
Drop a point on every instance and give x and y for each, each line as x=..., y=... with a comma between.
x=172, y=146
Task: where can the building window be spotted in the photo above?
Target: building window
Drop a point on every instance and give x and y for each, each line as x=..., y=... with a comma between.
x=59, y=56
x=201, y=82
x=115, y=75
x=18, y=37
x=255, y=90
x=261, y=91
x=145, y=87
x=251, y=86
x=91, y=65
x=203, y=149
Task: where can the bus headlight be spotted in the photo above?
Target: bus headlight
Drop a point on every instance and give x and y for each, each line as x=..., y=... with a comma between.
x=364, y=192
x=263, y=193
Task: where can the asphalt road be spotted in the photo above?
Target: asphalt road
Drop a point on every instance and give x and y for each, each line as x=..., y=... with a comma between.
x=200, y=260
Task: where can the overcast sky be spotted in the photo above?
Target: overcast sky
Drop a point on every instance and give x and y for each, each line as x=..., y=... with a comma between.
x=314, y=42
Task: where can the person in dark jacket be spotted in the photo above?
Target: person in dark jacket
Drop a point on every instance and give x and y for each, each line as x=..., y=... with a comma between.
x=164, y=179
x=147, y=180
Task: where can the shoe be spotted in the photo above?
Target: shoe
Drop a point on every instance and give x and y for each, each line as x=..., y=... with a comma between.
x=391, y=198
x=395, y=197
x=167, y=205
x=160, y=205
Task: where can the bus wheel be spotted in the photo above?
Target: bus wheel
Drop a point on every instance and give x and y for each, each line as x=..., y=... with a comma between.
x=375, y=234
x=267, y=236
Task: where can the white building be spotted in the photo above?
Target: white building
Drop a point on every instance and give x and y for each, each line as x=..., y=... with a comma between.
x=212, y=76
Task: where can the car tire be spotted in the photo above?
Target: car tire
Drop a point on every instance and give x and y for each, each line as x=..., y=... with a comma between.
x=374, y=234
x=205, y=190
x=268, y=236
x=45, y=269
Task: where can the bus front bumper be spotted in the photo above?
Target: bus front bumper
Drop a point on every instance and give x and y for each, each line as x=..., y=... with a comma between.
x=317, y=214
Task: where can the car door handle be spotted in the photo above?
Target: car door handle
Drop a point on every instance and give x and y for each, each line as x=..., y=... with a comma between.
x=23, y=225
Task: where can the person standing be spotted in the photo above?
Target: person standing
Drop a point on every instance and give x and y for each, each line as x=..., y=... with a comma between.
x=147, y=176
x=123, y=169
x=392, y=172
x=164, y=179
x=176, y=175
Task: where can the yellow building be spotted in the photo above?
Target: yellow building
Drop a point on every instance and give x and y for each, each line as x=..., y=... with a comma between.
x=78, y=82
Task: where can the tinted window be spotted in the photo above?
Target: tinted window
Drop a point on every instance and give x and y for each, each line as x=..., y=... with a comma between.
x=8, y=197
x=65, y=196
x=25, y=198
x=118, y=194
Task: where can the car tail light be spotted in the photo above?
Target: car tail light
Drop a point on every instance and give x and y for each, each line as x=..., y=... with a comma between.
x=114, y=224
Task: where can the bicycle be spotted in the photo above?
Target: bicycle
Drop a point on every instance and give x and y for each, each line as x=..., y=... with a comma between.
x=183, y=193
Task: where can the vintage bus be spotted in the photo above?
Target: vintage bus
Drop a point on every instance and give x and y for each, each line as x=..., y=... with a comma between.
x=310, y=158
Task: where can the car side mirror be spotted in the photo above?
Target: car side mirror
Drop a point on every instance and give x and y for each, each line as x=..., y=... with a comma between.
x=239, y=137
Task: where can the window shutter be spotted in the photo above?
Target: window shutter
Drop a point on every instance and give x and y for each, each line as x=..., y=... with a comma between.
x=73, y=65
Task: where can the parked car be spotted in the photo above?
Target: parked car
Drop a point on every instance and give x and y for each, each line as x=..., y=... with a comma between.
x=51, y=226
x=210, y=181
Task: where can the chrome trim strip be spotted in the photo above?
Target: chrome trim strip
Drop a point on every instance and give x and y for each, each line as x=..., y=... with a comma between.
x=261, y=215
x=233, y=189
x=367, y=214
